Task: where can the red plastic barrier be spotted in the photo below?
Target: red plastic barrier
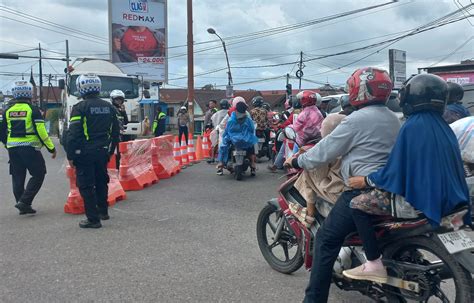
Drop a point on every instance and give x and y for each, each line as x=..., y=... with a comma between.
x=75, y=203
x=162, y=159
x=136, y=170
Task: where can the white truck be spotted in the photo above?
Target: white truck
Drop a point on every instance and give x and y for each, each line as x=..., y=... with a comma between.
x=112, y=78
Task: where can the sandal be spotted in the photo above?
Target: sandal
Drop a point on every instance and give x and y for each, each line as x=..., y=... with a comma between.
x=252, y=171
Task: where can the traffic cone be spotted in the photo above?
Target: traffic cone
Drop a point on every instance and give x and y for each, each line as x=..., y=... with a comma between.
x=206, y=147
x=191, y=150
x=199, y=149
x=184, y=153
x=177, y=151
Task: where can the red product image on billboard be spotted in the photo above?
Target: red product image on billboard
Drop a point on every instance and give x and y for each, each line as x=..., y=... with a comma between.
x=139, y=42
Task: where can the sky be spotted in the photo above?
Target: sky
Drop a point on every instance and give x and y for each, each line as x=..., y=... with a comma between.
x=444, y=45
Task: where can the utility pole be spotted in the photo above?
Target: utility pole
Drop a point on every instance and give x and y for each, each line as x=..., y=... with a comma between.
x=299, y=74
x=40, y=79
x=287, y=83
x=67, y=55
x=190, y=67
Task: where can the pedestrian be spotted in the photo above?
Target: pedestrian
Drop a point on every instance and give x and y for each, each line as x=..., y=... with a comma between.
x=159, y=124
x=207, y=117
x=92, y=138
x=23, y=132
x=183, y=123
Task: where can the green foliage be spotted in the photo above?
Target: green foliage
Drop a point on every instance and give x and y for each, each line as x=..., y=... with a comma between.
x=52, y=115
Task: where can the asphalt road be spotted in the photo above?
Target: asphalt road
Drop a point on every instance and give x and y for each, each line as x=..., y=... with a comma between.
x=187, y=239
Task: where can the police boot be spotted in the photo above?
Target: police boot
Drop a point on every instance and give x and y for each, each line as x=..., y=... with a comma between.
x=25, y=208
x=104, y=217
x=88, y=224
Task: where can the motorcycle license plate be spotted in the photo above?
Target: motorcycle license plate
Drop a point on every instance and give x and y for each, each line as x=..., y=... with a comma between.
x=261, y=140
x=240, y=153
x=456, y=241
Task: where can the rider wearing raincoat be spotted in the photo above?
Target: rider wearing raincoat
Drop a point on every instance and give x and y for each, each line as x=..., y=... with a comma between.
x=239, y=132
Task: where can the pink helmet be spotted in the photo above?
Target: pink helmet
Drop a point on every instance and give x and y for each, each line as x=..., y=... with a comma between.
x=238, y=100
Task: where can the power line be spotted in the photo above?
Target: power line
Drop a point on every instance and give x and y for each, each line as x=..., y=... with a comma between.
x=432, y=25
x=453, y=52
x=47, y=22
x=52, y=30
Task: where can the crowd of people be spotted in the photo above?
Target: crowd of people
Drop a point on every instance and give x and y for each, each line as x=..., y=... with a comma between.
x=354, y=158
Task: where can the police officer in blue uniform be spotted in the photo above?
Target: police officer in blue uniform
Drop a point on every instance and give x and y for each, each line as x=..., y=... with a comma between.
x=92, y=138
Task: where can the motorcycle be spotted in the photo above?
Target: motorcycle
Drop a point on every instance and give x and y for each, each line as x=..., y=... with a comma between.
x=422, y=262
x=240, y=162
x=263, y=145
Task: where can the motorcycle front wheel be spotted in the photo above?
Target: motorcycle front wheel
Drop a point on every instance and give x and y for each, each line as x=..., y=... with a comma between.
x=452, y=284
x=283, y=254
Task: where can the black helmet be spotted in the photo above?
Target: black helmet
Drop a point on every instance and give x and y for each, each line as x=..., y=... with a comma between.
x=296, y=103
x=344, y=101
x=423, y=92
x=224, y=104
x=267, y=106
x=455, y=93
x=257, y=101
x=393, y=103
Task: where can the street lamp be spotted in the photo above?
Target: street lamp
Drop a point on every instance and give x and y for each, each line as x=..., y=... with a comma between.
x=229, y=90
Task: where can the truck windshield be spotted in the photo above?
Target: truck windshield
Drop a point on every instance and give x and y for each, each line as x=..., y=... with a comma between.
x=127, y=85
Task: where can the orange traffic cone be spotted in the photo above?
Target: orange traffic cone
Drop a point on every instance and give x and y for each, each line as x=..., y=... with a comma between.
x=206, y=146
x=191, y=150
x=177, y=151
x=184, y=153
x=199, y=149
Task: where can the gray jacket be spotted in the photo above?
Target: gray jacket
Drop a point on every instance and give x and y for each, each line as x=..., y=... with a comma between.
x=364, y=140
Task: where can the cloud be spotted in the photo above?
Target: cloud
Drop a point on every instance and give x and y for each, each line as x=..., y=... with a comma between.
x=231, y=18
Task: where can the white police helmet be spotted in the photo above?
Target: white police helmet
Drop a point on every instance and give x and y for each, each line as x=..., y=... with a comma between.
x=88, y=84
x=22, y=89
x=116, y=93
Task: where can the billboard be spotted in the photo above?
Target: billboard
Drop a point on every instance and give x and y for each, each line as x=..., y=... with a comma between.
x=459, y=78
x=138, y=37
x=398, y=67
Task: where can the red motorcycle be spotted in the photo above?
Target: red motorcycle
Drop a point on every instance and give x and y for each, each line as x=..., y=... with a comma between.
x=424, y=264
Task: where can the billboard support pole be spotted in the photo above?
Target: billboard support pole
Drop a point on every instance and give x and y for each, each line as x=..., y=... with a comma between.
x=190, y=67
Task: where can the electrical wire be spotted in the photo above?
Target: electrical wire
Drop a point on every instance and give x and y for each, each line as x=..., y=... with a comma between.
x=453, y=52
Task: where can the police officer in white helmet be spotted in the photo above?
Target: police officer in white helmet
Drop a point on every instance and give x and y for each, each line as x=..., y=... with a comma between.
x=92, y=138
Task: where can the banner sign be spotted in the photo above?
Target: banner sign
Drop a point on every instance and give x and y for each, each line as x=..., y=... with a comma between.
x=398, y=67
x=138, y=37
x=459, y=78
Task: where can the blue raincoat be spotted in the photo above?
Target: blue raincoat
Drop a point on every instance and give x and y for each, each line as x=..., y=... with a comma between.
x=425, y=167
x=240, y=133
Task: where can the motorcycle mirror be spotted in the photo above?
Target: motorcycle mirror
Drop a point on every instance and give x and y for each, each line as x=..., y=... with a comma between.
x=290, y=133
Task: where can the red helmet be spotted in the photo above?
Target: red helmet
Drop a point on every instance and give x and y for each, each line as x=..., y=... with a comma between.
x=308, y=98
x=369, y=85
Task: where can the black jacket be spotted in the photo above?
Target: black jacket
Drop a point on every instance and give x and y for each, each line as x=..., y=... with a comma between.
x=93, y=125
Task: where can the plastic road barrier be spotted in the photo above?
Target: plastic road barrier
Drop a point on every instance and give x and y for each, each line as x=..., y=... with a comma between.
x=136, y=171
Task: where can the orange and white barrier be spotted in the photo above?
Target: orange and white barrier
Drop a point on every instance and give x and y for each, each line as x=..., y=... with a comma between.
x=136, y=170
x=206, y=146
x=75, y=204
x=199, y=155
x=184, y=153
x=191, y=150
x=177, y=151
x=162, y=159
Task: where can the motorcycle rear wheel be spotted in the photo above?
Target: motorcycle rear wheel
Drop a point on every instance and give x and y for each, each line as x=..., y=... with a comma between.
x=423, y=251
x=238, y=173
x=287, y=265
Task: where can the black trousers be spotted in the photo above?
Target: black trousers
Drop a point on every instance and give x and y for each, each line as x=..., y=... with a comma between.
x=92, y=180
x=183, y=130
x=23, y=159
x=329, y=240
